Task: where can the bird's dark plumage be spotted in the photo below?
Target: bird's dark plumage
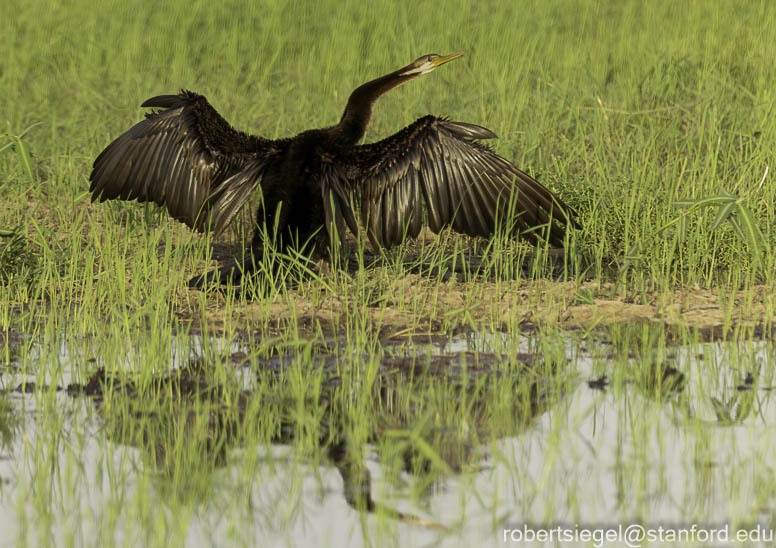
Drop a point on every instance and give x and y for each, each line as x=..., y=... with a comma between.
x=463, y=184
x=188, y=158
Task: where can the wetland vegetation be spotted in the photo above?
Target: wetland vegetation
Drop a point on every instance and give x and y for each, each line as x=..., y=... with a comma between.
x=435, y=394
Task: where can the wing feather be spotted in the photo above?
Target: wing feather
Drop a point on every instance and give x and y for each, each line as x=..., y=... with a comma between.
x=187, y=158
x=463, y=184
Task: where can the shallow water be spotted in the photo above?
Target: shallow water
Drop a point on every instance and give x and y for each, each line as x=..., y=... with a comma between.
x=618, y=441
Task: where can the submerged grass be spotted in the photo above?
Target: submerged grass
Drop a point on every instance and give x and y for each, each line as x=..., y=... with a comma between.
x=636, y=114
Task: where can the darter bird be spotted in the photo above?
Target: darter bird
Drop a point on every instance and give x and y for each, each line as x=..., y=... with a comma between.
x=186, y=157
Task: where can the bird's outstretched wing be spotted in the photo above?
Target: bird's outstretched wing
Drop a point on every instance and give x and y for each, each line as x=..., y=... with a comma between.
x=187, y=158
x=464, y=185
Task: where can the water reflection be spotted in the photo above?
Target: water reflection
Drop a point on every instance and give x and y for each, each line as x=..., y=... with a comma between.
x=483, y=430
x=426, y=414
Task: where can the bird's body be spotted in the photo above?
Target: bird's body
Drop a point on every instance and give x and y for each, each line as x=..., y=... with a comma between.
x=189, y=159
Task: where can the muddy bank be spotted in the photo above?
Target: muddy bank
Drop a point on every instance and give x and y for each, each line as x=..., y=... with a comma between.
x=414, y=304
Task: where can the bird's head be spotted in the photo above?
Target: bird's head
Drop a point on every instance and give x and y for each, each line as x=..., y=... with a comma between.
x=427, y=63
x=359, y=107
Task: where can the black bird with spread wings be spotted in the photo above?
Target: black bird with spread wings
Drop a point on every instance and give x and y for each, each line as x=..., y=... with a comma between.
x=187, y=158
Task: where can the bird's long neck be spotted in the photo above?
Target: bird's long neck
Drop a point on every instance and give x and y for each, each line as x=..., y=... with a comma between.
x=359, y=108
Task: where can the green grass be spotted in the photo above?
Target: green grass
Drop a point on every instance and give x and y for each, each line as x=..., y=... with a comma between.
x=632, y=112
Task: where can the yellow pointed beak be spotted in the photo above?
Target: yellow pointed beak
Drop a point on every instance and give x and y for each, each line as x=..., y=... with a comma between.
x=445, y=58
